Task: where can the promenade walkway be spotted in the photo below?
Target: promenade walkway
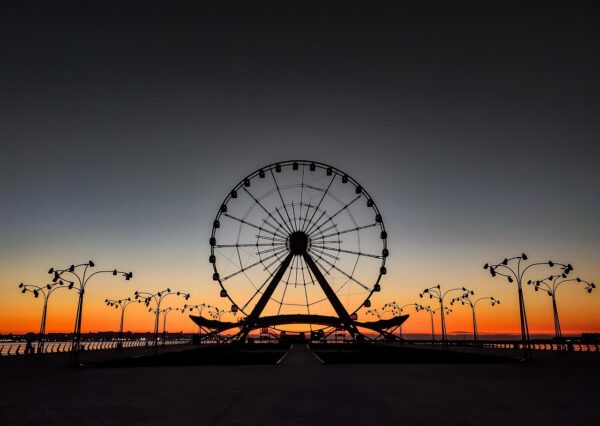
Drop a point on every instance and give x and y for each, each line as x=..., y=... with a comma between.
x=553, y=390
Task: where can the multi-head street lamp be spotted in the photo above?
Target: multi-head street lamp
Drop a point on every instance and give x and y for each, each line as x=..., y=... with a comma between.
x=78, y=277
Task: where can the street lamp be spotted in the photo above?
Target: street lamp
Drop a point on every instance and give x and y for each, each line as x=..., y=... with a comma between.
x=397, y=310
x=431, y=312
x=517, y=272
x=81, y=278
x=45, y=291
x=157, y=298
x=437, y=293
x=122, y=304
x=165, y=312
x=550, y=285
x=465, y=299
x=217, y=313
x=198, y=308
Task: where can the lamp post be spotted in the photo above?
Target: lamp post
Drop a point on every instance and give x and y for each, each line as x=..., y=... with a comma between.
x=465, y=299
x=80, y=276
x=397, y=310
x=437, y=293
x=199, y=308
x=217, y=313
x=550, y=285
x=157, y=298
x=514, y=270
x=45, y=291
x=431, y=312
x=165, y=312
x=122, y=304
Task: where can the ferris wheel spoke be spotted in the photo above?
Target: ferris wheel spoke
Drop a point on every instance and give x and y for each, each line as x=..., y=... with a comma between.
x=260, y=228
x=246, y=268
x=347, y=275
x=290, y=228
x=271, y=238
x=323, y=242
x=319, y=204
x=287, y=283
x=246, y=245
x=344, y=207
x=265, y=210
x=358, y=253
x=330, y=227
x=259, y=289
x=358, y=228
x=278, y=259
x=278, y=248
x=308, y=206
x=294, y=214
x=322, y=253
x=301, y=199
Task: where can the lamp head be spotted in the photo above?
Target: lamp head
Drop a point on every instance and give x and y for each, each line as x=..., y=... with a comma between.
x=91, y=264
x=523, y=256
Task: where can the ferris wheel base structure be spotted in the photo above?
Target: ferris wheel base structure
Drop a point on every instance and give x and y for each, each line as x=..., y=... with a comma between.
x=276, y=320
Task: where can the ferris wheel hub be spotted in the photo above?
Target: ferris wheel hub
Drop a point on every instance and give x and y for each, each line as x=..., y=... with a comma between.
x=298, y=243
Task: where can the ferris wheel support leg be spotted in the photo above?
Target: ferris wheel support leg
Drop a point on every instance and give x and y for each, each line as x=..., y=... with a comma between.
x=333, y=299
x=262, y=302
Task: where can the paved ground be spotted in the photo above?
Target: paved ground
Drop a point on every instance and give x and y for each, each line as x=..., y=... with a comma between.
x=555, y=389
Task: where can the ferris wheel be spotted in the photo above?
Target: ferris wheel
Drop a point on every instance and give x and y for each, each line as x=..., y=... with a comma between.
x=297, y=242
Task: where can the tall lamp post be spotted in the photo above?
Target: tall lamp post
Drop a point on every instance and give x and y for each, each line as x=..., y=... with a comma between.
x=437, y=293
x=217, y=313
x=514, y=270
x=199, y=308
x=45, y=291
x=80, y=278
x=120, y=304
x=431, y=312
x=157, y=299
x=465, y=299
x=165, y=312
x=397, y=310
x=550, y=285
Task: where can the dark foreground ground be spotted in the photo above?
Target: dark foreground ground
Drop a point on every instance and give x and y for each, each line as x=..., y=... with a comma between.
x=554, y=389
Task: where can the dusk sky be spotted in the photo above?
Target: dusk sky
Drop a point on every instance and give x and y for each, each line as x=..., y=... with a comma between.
x=123, y=128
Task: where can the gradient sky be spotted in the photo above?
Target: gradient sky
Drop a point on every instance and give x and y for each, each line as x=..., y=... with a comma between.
x=474, y=128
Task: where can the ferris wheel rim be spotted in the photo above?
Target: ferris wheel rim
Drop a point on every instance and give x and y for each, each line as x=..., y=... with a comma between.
x=277, y=167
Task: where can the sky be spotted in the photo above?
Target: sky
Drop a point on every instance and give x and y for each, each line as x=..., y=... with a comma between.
x=123, y=127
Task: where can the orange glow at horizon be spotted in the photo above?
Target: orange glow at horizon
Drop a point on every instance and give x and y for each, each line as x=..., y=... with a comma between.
x=578, y=310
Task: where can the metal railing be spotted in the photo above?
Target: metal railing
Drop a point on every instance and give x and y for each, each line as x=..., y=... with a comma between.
x=19, y=348
x=569, y=345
